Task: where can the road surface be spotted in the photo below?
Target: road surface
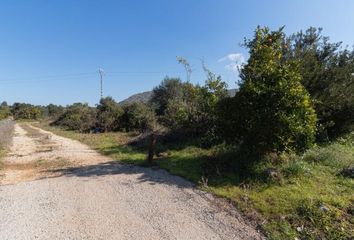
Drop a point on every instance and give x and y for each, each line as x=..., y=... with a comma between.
x=56, y=188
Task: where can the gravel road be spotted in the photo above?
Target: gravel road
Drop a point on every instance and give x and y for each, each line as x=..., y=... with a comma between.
x=92, y=197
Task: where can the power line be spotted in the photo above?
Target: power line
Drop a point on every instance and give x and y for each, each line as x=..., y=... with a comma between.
x=49, y=78
x=63, y=77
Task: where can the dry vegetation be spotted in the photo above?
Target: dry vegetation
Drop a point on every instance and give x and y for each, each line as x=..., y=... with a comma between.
x=6, y=130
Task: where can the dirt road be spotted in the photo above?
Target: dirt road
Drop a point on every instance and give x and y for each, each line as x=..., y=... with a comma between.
x=57, y=188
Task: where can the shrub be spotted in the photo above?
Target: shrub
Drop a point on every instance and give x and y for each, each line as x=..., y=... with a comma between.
x=79, y=117
x=272, y=110
x=170, y=89
x=26, y=111
x=327, y=74
x=54, y=111
x=4, y=111
x=190, y=109
x=108, y=114
x=138, y=117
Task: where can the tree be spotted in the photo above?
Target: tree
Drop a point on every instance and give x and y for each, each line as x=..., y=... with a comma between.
x=138, y=116
x=327, y=74
x=272, y=110
x=4, y=110
x=78, y=116
x=108, y=114
x=26, y=111
x=54, y=111
x=4, y=104
x=170, y=89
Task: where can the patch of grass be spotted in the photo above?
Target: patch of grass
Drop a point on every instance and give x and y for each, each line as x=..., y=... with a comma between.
x=187, y=162
x=310, y=201
x=110, y=144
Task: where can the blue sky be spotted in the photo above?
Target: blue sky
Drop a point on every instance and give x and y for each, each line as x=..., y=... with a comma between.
x=50, y=51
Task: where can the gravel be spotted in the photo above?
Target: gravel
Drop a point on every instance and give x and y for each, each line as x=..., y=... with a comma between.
x=107, y=200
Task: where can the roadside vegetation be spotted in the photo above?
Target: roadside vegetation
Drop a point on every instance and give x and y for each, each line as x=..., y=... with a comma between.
x=281, y=149
x=6, y=130
x=309, y=195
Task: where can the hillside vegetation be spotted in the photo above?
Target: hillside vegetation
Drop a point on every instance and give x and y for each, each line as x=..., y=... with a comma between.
x=145, y=97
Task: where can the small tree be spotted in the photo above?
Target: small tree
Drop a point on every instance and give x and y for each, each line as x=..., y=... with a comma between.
x=108, y=114
x=272, y=110
x=138, y=117
x=54, y=111
x=327, y=74
x=26, y=111
x=4, y=110
x=78, y=116
x=169, y=89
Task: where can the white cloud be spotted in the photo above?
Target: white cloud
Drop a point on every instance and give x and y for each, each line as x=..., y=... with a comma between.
x=234, y=61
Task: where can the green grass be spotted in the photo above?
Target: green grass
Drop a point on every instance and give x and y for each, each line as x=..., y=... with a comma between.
x=111, y=144
x=311, y=200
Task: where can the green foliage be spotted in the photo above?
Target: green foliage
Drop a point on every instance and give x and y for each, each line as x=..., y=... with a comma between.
x=138, y=117
x=321, y=222
x=54, y=111
x=337, y=155
x=4, y=110
x=79, y=117
x=26, y=111
x=327, y=73
x=271, y=111
x=190, y=109
x=171, y=89
x=108, y=114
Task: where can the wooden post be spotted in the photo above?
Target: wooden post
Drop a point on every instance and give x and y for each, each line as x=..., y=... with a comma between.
x=151, y=148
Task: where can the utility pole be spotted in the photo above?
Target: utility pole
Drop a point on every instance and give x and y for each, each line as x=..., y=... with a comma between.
x=101, y=72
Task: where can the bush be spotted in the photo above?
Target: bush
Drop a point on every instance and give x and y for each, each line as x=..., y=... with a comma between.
x=53, y=111
x=108, y=114
x=26, y=111
x=272, y=110
x=170, y=89
x=138, y=117
x=327, y=74
x=190, y=109
x=79, y=117
x=4, y=111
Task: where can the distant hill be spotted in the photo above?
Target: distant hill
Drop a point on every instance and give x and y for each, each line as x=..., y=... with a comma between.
x=139, y=97
x=146, y=96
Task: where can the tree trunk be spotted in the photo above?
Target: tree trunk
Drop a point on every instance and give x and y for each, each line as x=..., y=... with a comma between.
x=151, y=149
